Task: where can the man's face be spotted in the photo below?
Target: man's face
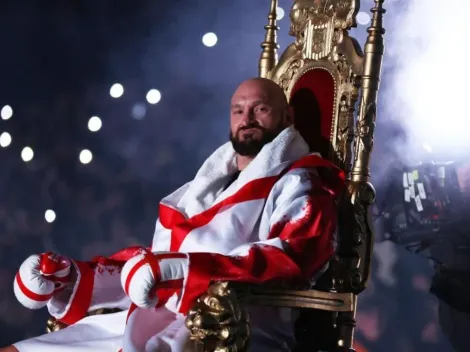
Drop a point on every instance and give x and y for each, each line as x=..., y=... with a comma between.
x=257, y=116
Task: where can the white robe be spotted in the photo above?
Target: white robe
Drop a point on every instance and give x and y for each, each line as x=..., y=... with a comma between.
x=274, y=223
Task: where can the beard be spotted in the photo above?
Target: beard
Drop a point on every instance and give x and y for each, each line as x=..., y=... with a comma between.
x=252, y=143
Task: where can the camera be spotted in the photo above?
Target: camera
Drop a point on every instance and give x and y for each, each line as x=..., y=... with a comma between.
x=425, y=210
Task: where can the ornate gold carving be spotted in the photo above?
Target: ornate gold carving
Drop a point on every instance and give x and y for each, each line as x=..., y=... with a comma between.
x=286, y=78
x=218, y=322
x=318, y=25
x=319, y=39
x=54, y=325
x=346, y=11
x=362, y=195
x=343, y=12
x=365, y=127
x=343, y=129
x=344, y=68
x=343, y=150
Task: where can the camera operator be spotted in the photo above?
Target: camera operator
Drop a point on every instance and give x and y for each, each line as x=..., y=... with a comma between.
x=452, y=290
x=425, y=209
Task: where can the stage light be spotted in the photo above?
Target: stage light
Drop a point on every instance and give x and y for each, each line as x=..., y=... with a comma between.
x=280, y=13
x=94, y=124
x=50, y=216
x=117, y=90
x=153, y=96
x=27, y=154
x=85, y=156
x=7, y=112
x=209, y=39
x=5, y=139
x=363, y=18
x=138, y=111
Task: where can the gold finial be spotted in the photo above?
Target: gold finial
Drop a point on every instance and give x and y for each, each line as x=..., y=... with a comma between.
x=373, y=54
x=376, y=26
x=268, y=57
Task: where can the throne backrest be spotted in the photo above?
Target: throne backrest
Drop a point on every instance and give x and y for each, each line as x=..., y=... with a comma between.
x=320, y=74
x=323, y=73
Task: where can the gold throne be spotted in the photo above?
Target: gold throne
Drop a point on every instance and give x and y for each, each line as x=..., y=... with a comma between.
x=326, y=78
x=324, y=75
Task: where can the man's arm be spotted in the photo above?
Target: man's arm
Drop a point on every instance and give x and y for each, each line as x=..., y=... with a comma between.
x=71, y=288
x=97, y=285
x=299, y=244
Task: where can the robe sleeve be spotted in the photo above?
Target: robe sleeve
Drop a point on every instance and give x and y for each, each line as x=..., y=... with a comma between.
x=299, y=244
x=97, y=285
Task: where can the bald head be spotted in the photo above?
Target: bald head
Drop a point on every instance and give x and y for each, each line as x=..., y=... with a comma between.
x=273, y=92
x=259, y=112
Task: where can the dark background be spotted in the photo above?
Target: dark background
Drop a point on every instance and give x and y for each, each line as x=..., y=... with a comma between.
x=58, y=60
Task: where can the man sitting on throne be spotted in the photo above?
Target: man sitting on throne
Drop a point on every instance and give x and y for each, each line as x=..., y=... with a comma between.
x=257, y=211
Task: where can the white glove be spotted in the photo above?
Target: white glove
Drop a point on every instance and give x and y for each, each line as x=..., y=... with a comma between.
x=144, y=274
x=39, y=277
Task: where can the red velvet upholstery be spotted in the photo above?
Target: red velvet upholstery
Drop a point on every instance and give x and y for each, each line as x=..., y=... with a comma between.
x=313, y=98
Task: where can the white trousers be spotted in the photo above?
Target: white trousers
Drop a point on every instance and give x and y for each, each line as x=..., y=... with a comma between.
x=161, y=331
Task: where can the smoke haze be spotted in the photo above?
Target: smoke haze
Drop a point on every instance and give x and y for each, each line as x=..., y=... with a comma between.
x=426, y=91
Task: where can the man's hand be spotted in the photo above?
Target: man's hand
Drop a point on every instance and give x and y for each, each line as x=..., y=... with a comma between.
x=143, y=275
x=39, y=277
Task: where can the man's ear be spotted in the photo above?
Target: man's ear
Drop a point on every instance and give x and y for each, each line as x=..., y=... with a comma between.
x=289, y=115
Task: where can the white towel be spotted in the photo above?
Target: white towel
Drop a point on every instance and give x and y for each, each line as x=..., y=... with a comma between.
x=207, y=188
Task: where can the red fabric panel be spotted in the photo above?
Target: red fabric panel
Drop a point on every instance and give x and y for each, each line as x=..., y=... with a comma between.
x=256, y=189
x=313, y=100
x=127, y=253
x=131, y=274
x=82, y=299
x=262, y=264
x=132, y=308
x=311, y=238
x=335, y=181
x=118, y=259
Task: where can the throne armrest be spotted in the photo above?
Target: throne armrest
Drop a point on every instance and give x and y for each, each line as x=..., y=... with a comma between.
x=219, y=321
x=309, y=299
